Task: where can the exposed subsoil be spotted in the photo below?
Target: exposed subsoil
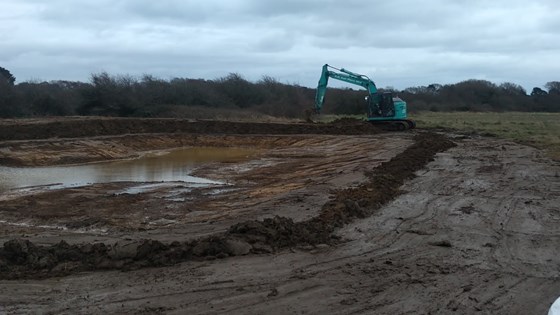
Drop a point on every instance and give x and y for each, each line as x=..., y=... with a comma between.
x=357, y=222
x=98, y=139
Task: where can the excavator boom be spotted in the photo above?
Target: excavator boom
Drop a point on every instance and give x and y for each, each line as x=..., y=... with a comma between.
x=343, y=75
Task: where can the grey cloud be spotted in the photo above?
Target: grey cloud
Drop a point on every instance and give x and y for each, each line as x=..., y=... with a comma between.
x=292, y=8
x=399, y=43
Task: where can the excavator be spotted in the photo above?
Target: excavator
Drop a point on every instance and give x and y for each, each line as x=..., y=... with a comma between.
x=383, y=109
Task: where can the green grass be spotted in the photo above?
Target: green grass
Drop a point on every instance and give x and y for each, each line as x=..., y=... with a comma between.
x=541, y=130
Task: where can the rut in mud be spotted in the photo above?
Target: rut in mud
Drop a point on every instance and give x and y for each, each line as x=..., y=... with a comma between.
x=23, y=259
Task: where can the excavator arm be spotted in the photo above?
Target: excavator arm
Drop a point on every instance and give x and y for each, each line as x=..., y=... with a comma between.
x=342, y=75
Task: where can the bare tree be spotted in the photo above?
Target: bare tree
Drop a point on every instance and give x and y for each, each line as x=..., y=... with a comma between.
x=553, y=87
x=7, y=76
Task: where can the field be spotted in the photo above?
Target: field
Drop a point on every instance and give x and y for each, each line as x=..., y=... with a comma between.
x=335, y=217
x=541, y=130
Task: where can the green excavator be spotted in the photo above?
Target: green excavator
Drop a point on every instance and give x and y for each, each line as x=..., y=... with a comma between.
x=383, y=109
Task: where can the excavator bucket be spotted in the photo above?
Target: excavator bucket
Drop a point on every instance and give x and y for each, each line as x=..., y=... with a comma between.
x=310, y=115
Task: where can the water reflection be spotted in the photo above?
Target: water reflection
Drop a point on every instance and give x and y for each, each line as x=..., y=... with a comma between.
x=169, y=166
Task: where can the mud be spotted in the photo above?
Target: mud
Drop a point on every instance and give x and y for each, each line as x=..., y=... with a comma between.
x=314, y=224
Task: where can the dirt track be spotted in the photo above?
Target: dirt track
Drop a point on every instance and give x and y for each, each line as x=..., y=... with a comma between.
x=476, y=231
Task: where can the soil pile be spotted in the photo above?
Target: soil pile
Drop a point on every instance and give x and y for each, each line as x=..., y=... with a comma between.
x=23, y=259
x=78, y=128
x=347, y=121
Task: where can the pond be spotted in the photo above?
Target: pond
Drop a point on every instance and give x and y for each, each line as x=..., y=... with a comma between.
x=169, y=166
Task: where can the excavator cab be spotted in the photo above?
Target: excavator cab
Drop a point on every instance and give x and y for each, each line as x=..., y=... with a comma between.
x=381, y=105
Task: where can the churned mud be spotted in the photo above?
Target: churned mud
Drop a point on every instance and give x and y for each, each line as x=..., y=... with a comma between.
x=352, y=221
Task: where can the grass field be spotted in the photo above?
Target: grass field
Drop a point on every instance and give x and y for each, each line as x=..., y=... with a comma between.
x=541, y=130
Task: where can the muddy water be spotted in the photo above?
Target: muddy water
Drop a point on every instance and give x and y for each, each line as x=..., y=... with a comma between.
x=168, y=166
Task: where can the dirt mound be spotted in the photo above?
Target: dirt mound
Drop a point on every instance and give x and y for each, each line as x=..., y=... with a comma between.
x=347, y=121
x=278, y=232
x=353, y=123
x=78, y=128
x=23, y=259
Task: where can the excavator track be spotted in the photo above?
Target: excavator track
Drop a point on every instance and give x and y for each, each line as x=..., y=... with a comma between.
x=394, y=125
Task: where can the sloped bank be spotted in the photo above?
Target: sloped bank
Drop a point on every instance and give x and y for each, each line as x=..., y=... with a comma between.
x=95, y=127
x=23, y=259
x=46, y=142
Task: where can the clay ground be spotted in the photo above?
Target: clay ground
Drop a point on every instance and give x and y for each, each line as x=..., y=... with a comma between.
x=477, y=231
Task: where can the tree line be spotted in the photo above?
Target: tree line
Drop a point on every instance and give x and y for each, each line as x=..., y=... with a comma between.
x=148, y=96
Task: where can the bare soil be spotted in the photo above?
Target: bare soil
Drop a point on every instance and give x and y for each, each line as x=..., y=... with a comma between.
x=327, y=218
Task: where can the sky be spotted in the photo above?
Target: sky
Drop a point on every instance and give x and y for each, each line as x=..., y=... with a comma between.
x=397, y=43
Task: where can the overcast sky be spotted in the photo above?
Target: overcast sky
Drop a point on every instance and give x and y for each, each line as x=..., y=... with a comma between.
x=399, y=43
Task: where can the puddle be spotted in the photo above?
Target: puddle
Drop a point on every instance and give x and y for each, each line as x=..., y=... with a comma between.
x=143, y=188
x=170, y=166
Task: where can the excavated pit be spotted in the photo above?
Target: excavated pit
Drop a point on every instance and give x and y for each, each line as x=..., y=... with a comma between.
x=24, y=259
